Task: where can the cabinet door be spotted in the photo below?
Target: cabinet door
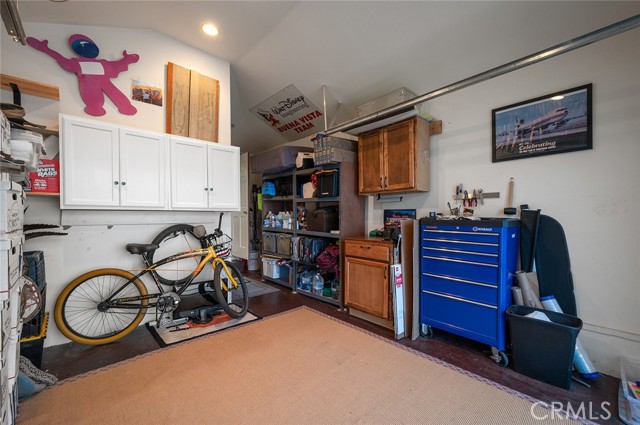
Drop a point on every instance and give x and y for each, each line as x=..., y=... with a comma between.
x=224, y=177
x=240, y=219
x=189, y=188
x=367, y=286
x=142, y=174
x=399, y=156
x=370, y=178
x=90, y=169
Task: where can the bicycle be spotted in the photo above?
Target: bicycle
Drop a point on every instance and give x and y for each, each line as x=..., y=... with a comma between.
x=104, y=305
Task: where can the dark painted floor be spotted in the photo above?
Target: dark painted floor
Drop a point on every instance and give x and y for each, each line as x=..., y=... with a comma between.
x=72, y=359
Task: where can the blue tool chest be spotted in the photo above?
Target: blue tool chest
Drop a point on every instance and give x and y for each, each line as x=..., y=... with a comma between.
x=467, y=269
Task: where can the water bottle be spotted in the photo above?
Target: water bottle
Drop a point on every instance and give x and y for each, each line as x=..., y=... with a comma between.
x=335, y=288
x=277, y=223
x=305, y=281
x=317, y=284
x=267, y=220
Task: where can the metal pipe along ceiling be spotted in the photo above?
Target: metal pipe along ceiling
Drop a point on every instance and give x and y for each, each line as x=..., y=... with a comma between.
x=589, y=38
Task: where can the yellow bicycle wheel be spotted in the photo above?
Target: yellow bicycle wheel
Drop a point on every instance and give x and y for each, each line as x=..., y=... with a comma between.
x=82, y=315
x=234, y=299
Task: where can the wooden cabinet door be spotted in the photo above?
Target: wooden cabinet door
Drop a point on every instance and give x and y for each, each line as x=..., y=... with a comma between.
x=367, y=286
x=142, y=169
x=399, y=156
x=189, y=185
x=370, y=169
x=224, y=177
x=90, y=164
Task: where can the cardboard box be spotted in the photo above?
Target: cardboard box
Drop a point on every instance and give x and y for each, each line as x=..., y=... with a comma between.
x=46, y=179
x=11, y=207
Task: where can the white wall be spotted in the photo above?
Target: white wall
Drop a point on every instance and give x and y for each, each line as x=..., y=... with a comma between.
x=155, y=51
x=97, y=239
x=594, y=194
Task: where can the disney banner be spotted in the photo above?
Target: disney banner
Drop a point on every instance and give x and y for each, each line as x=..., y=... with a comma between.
x=291, y=114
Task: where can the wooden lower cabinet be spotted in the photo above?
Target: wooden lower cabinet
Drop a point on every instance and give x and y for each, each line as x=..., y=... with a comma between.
x=366, y=276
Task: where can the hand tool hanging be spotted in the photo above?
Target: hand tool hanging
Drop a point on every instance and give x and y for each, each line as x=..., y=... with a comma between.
x=510, y=210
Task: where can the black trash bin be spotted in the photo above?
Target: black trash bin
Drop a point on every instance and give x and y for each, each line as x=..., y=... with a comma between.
x=543, y=350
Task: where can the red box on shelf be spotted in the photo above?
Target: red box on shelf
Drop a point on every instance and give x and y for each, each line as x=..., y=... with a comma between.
x=46, y=179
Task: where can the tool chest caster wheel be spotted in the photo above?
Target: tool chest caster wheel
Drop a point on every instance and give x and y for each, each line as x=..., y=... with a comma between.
x=426, y=331
x=500, y=357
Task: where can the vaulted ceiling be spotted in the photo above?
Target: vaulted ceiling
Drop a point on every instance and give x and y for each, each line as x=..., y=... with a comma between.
x=359, y=50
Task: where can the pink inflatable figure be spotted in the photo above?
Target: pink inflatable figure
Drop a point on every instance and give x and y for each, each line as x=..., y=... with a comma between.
x=94, y=75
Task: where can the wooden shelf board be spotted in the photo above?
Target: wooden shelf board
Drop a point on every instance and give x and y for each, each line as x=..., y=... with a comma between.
x=41, y=194
x=30, y=87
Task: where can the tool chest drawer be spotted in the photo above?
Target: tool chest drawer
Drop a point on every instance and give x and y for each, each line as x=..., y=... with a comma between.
x=452, y=314
x=464, y=235
x=467, y=269
x=474, y=291
x=457, y=254
x=458, y=245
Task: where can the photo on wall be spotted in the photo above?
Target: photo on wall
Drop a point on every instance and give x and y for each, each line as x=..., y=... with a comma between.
x=555, y=123
x=146, y=93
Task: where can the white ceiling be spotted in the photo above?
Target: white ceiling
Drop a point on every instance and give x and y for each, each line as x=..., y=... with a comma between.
x=360, y=50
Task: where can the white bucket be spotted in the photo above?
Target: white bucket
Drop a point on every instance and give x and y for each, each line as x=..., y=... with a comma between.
x=254, y=261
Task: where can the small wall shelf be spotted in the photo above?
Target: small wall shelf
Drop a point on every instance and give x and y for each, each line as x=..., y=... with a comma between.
x=30, y=87
x=45, y=194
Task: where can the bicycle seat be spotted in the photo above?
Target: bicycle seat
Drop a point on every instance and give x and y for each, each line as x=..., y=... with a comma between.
x=141, y=248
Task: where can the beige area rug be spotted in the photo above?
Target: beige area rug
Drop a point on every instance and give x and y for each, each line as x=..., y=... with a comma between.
x=299, y=367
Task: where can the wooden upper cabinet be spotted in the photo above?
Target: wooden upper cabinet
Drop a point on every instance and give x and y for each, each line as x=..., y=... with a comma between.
x=370, y=152
x=394, y=158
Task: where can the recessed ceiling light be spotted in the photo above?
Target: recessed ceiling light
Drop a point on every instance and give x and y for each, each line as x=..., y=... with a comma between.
x=559, y=97
x=210, y=29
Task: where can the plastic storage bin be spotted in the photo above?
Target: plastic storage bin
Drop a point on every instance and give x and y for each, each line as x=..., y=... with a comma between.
x=398, y=96
x=269, y=242
x=284, y=272
x=277, y=159
x=283, y=244
x=543, y=350
x=27, y=146
x=628, y=404
x=270, y=268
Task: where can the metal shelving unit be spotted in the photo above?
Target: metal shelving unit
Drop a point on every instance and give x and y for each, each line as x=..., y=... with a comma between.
x=350, y=212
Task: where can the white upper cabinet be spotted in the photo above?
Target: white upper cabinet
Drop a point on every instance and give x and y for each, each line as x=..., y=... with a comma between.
x=189, y=185
x=224, y=177
x=142, y=169
x=107, y=166
x=90, y=167
x=204, y=175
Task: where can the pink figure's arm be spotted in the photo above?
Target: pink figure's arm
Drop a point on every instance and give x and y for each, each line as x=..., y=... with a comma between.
x=116, y=67
x=67, y=64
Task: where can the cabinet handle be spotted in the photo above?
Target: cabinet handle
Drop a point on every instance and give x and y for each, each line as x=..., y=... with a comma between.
x=124, y=183
x=381, y=181
x=386, y=183
x=115, y=182
x=365, y=247
x=211, y=189
x=206, y=188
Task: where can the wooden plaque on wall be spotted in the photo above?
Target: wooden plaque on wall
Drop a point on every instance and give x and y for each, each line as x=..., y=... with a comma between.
x=192, y=104
x=203, y=107
x=178, y=90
